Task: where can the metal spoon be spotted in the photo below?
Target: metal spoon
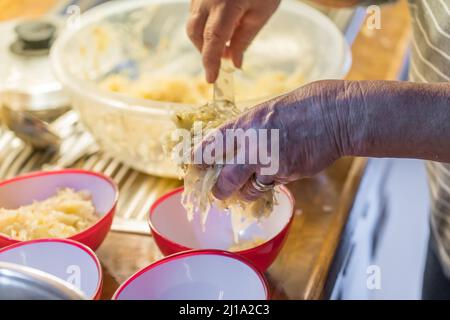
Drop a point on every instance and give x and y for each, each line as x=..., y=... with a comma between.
x=30, y=128
x=19, y=282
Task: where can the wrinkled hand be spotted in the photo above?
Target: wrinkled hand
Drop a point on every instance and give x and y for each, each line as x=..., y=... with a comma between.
x=313, y=133
x=215, y=22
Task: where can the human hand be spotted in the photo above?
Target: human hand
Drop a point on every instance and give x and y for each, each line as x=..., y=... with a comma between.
x=213, y=23
x=313, y=132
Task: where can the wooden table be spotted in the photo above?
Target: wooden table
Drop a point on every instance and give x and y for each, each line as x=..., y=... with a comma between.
x=322, y=203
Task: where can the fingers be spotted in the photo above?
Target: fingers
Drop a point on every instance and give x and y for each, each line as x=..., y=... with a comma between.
x=218, y=30
x=214, y=23
x=243, y=37
x=196, y=25
x=232, y=178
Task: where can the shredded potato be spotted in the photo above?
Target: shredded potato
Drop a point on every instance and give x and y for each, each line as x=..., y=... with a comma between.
x=60, y=216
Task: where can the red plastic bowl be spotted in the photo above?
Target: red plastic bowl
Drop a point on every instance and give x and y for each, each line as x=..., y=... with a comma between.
x=173, y=232
x=38, y=186
x=65, y=259
x=196, y=275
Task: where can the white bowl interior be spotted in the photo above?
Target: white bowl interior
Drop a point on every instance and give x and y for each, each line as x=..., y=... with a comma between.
x=24, y=191
x=67, y=261
x=195, y=276
x=217, y=233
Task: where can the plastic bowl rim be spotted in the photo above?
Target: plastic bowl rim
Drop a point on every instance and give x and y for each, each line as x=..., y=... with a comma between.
x=88, y=230
x=245, y=251
x=71, y=242
x=189, y=253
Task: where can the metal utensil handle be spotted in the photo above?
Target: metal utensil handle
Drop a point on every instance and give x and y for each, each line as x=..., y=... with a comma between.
x=224, y=85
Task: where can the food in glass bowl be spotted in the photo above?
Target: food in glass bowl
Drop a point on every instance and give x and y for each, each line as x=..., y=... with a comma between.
x=194, y=90
x=59, y=216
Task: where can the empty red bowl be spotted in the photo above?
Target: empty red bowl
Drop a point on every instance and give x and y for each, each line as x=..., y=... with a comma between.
x=65, y=259
x=23, y=190
x=173, y=232
x=196, y=275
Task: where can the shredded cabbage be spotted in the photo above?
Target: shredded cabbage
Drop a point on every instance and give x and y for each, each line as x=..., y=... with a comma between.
x=60, y=216
x=244, y=245
x=198, y=182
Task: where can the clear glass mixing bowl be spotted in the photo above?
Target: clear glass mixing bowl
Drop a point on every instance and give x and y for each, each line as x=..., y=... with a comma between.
x=133, y=37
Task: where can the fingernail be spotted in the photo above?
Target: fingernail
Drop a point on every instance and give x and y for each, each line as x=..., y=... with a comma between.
x=227, y=54
x=238, y=59
x=210, y=78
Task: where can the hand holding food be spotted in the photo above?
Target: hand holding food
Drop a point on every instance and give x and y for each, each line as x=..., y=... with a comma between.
x=308, y=142
x=198, y=181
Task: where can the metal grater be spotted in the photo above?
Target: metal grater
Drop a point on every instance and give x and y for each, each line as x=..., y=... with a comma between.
x=138, y=191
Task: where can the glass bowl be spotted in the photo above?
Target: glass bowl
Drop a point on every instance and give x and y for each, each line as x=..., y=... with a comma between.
x=146, y=38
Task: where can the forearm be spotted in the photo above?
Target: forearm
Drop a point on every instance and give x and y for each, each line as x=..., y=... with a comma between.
x=394, y=119
x=350, y=3
x=322, y=121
